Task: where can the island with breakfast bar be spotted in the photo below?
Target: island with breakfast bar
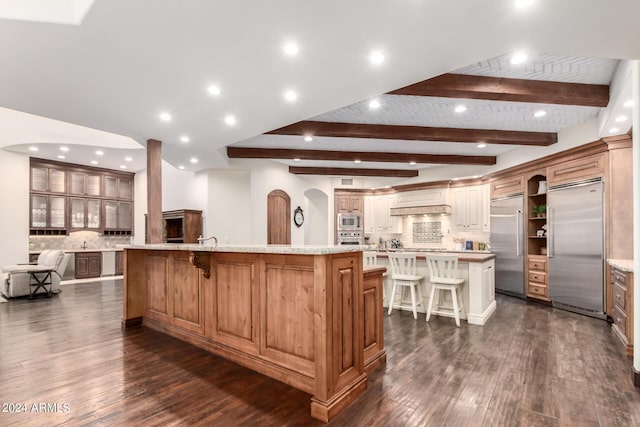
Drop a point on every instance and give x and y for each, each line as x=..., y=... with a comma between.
x=305, y=315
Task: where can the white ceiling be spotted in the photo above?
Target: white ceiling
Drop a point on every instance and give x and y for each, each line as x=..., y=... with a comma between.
x=129, y=61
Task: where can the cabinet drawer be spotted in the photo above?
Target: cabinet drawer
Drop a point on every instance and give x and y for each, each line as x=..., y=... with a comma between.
x=538, y=276
x=538, y=264
x=619, y=319
x=538, y=289
x=619, y=296
x=619, y=277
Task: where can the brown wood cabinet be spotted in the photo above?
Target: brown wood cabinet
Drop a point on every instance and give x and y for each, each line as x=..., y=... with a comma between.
x=181, y=226
x=507, y=186
x=577, y=170
x=537, y=279
x=88, y=265
x=374, y=352
x=621, y=296
x=348, y=203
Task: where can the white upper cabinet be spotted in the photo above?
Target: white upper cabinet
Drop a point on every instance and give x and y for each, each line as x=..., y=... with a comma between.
x=377, y=215
x=470, y=208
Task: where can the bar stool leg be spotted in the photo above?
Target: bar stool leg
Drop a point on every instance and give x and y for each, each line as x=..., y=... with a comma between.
x=413, y=302
x=433, y=291
x=393, y=294
x=456, y=311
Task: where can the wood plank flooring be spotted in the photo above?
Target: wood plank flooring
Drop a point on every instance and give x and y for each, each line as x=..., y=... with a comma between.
x=530, y=365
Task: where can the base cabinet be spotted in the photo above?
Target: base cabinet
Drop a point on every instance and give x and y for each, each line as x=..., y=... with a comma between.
x=88, y=265
x=621, y=294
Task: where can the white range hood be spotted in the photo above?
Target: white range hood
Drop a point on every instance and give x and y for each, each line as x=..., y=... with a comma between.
x=422, y=202
x=422, y=210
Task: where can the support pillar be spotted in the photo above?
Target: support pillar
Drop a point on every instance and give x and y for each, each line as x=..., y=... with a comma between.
x=635, y=95
x=154, y=191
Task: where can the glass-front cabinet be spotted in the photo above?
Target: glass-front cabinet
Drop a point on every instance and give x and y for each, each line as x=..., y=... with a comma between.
x=67, y=197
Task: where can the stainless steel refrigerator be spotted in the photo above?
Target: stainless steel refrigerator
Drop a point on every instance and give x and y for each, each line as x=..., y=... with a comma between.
x=507, y=242
x=575, y=220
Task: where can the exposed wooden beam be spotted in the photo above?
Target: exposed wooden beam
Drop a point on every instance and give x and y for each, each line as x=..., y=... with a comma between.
x=365, y=156
x=418, y=133
x=398, y=173
x=503, y=89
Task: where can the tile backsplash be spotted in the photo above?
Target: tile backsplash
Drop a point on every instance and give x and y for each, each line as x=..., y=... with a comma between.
x=75, y=240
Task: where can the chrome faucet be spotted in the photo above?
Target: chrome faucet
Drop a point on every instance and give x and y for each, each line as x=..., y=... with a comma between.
x=201, y=240
x=84, y=245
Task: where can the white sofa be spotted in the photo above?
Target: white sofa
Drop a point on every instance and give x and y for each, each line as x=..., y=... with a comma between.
x=16, y=279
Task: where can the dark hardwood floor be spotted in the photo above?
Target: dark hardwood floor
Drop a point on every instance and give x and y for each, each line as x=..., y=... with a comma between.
x=530, y=365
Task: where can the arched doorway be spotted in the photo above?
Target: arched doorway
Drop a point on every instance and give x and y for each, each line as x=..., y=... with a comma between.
x=278, y=218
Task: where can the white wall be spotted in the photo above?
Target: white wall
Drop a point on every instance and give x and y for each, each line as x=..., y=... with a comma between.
x=14, y=215
x=316, y=217
x=229, y=206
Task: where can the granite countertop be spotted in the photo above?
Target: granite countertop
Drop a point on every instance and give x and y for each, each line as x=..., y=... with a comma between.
x=267, y=249
x=82, y=250
x=622, y=264
x=468, y=256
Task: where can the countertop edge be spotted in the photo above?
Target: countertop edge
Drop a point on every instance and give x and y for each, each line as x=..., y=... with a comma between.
x=625, y=265
x=267, y=249
x=69, y=251
x=477, y=257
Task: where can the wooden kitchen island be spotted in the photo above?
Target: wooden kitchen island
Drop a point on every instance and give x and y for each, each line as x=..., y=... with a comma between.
x=296, y=314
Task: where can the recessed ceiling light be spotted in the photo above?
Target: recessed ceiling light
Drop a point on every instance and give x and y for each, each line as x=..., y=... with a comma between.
x=193, y=160
x=180, y=167
x=376, y=58
x=290, y=49
x=482, y=145
x=357, y=161
x=620, y=119
x=65, y=149
x=522, y=3
x=540, y=113
x=308, y=138
x=184, y=138
x=290, y=95
x=128, y=159
x=99, y=153
x=412, y=163
x=165, y=117
x=61, y=157
x=123, y=167
x=460, y=108
x=214, y=90
x=518, y=58
x=33, y=148
x=296, y=159
x=374, y=104
x=614, y=130
x=628, y=103
x=230, y=120
x=93, y=162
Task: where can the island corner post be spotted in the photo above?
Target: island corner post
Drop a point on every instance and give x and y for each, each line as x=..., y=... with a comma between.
x=296, y=317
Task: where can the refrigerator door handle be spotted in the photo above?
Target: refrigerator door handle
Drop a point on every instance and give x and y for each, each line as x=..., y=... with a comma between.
x=518, y=250
x=552, y=242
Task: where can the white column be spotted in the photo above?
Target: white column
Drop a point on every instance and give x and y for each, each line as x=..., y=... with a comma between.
x=635, y=89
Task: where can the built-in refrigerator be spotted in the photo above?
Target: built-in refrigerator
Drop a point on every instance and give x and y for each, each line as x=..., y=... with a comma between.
x=507, y=242
x=575, y=221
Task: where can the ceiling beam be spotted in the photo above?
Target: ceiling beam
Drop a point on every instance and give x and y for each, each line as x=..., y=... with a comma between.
x=416, y=133
x=365, y=156
x=503, y=89
x=396, y=173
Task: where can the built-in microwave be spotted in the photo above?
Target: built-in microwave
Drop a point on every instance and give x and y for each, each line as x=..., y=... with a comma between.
x=348, y=221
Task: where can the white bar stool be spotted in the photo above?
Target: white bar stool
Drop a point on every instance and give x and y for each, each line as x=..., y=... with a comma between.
x=403, y=273
x=443, y=272
x=369, y=258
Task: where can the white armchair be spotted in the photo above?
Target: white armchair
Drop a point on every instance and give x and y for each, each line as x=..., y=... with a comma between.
x=16, y=279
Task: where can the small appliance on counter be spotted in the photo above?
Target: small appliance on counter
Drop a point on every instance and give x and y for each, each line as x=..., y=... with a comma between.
x=395, y=244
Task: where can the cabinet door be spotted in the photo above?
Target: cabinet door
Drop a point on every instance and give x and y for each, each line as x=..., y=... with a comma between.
x=77, y=213
x=394, y=223
x=110, y=186
x=95, y=265
x=57, y=208
x=484, y=200
x=57, y=181
x=93, y=185
x=124, y=188
x=119, y=263
x=459, y=209
x=77, y=183
x=124, y=215
x=356, y=204
x=39, y=211
x=474, y=208
x=93, y=214
x=343, y=204
x=110, y=215
x=369, y=217
x=380, y=214
x=39, y=179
